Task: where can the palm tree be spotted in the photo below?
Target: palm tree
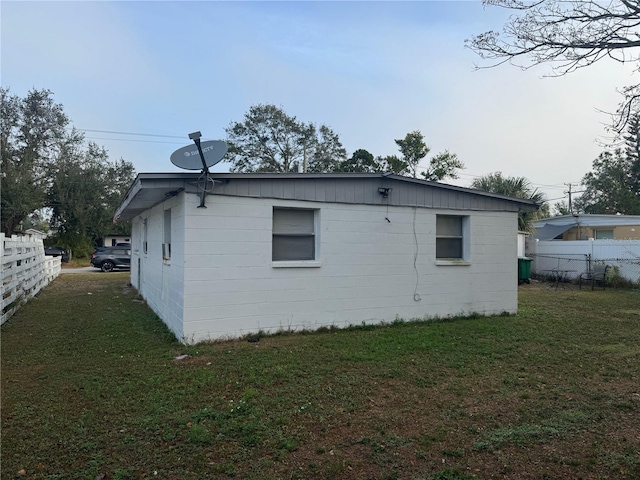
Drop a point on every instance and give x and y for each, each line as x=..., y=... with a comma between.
x=517, y=187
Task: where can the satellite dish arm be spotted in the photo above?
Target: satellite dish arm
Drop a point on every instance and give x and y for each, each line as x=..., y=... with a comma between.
x=205, y=169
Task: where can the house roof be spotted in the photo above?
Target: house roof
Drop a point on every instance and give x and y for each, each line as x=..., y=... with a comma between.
x=150, y=189
x=550, y=231
x=35, y=232
x=549, y=228
x=589, y=220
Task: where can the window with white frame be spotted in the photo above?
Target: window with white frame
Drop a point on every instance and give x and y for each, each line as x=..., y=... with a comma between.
x=452, y=237
x=166, y=244
x=294, y=234
x=604, y=234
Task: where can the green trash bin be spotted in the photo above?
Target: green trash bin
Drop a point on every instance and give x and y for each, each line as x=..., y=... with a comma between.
x=524, y=270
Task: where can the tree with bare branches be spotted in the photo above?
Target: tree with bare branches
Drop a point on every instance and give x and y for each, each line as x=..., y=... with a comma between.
x=569, y=35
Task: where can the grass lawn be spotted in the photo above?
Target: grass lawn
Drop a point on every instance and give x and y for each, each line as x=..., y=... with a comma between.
x=92, y=389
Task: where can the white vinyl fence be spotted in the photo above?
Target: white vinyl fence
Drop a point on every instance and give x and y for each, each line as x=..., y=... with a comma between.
x=25, y=270
x=576, y=257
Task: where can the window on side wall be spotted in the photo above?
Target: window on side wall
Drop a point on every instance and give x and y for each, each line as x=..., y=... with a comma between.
x=144, y=236
x=294, y=237
x=452, y=237
x=166, y=244
x=604, y=234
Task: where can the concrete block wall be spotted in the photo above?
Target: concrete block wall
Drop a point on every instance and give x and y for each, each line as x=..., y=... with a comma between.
x=161, y=283
x=375, y=264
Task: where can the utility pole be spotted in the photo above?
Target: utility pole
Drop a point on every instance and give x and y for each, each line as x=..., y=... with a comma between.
x=570, y=193
x=304, y=159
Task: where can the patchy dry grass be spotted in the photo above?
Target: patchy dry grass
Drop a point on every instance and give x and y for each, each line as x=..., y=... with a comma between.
x=77, y=263
x=91, y=389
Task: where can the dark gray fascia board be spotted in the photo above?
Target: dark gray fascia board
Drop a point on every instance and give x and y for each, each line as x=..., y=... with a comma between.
x=402, y=178
x=168, y=184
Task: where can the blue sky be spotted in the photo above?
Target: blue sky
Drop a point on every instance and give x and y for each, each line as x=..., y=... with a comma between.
x=372, y=71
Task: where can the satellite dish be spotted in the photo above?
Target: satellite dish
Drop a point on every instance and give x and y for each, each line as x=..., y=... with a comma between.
x=189, y=158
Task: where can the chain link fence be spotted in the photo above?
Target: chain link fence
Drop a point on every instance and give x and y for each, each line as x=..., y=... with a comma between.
x=622, y=272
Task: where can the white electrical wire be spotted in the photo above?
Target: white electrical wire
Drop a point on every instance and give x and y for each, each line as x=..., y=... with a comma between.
x=416, y=295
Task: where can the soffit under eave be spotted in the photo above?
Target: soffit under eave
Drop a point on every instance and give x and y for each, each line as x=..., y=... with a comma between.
x=146, y=195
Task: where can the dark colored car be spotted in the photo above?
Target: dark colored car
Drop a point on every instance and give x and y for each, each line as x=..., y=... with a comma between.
x=110, y=258
x=123, y=245
x=57, y=252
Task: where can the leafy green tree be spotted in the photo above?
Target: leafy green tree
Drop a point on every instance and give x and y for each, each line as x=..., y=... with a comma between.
x=561, y=208
x=30, y=128
x=328, y=154
x=414, y=149
x=38, y=220
x=269, y=140
x=568, y=35
x=632, y=150
x=86, y=188
x=395, y=164
x=361, y=161
x=516, y=187
x=444, y=165
x=614, y=184
x=610, y=188
x=47, y=169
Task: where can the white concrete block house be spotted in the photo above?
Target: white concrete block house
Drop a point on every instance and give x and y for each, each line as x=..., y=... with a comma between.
x=302, y=251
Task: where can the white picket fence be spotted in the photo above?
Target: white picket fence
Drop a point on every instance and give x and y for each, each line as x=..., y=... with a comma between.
x=25, y=270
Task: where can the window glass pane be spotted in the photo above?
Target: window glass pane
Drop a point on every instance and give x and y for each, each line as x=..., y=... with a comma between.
x=448, y=248
x=293, y=248
x=448, y=226
x=167, y=226
x=293, y=234
x=287, y=221
x=144, y=235
x=604, y=234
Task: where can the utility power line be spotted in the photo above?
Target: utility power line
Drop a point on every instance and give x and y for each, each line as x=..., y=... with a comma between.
x=132, y=133
x=133, y=140
x=570, y=193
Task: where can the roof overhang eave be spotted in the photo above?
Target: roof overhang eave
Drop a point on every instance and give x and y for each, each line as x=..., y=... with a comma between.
x=149, y=189
x=145, y=193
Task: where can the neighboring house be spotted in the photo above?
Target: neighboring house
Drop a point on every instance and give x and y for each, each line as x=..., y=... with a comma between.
x=34, y=233
x=585, y=227
x=575, y=243
x=112, y=240
x=301, y=251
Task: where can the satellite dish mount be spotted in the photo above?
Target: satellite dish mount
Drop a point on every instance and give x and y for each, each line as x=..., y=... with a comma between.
x=207, y=154
x=195, y=136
